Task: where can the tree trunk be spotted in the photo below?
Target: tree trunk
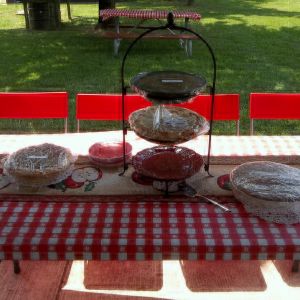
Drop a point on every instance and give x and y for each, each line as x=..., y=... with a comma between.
x=107, y=4
x=104, y=4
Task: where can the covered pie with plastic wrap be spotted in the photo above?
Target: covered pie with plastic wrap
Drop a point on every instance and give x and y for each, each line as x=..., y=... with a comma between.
x=39, y=165
x=269, y=190
x=167, y=124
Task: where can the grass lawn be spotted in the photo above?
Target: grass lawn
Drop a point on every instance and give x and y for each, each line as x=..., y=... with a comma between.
x=256, y=43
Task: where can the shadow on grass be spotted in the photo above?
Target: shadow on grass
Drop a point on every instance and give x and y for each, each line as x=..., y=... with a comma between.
x=76, y=59
x=221, y=9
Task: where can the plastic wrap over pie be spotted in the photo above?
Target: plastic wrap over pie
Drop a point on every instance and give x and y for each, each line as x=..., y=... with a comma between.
x=165, y=163
x=168, y=86
x=39, y=165
x=267, y=180
x=167, y=124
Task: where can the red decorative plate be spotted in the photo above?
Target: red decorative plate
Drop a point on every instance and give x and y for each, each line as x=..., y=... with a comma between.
x=109, y=153
x=167, y=163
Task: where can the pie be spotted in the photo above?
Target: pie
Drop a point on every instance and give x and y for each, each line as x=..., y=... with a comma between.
x=40, y=164
x=167, y=124
x=167, y=163
x=168, y=86
x=267, y=180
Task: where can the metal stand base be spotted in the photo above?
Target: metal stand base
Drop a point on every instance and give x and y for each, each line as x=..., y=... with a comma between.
x=125, y=168
x=206, y=168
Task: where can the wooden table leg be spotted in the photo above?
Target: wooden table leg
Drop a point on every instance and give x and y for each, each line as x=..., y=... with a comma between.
x=117, y=41
x=69, y=10
x=26, y=14
x=188, y=43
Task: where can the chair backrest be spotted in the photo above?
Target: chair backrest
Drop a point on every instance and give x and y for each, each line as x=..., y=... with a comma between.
x=34, y=105
x=226, y=107
x=273, y=106
x=106, y=107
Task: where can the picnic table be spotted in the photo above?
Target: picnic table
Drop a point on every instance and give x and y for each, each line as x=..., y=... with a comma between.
x=114, y=223
x=127, y=31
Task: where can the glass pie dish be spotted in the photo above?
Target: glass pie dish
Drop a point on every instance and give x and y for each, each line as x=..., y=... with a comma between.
x=167, y=163
x=109, y=153
x=166, y=87
x=167, y=124
x=268, y=190
x=39, y=165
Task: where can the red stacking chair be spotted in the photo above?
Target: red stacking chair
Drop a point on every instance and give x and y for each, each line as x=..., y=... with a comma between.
x=273, y=106
x=35, y=105
x=106, y=107
x=226, y=107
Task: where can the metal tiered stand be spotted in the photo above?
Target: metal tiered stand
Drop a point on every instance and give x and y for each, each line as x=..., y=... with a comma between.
x=169, y=87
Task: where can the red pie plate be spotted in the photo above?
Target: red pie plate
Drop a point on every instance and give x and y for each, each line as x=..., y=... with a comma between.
x=167, y=163
x=109, y=153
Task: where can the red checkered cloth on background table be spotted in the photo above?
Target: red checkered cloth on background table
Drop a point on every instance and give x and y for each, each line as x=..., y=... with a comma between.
x=147, y=14
x=226, y=150
x=240, y=149
x=65, y=230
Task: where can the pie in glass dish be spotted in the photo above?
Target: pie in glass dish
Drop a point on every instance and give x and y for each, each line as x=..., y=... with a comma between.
x=167, y=124
x=166, y=87
x=269, y=190
x=167, y=163
x=39, y=165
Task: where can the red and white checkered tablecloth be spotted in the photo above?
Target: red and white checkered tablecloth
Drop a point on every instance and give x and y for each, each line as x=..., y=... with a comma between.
x=146, y=14
x=65, y=230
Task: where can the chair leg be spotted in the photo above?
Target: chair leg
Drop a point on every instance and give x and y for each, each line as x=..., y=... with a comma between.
x=17, y=268
x=295, y=266
x=251, y=127
x=238, y=127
